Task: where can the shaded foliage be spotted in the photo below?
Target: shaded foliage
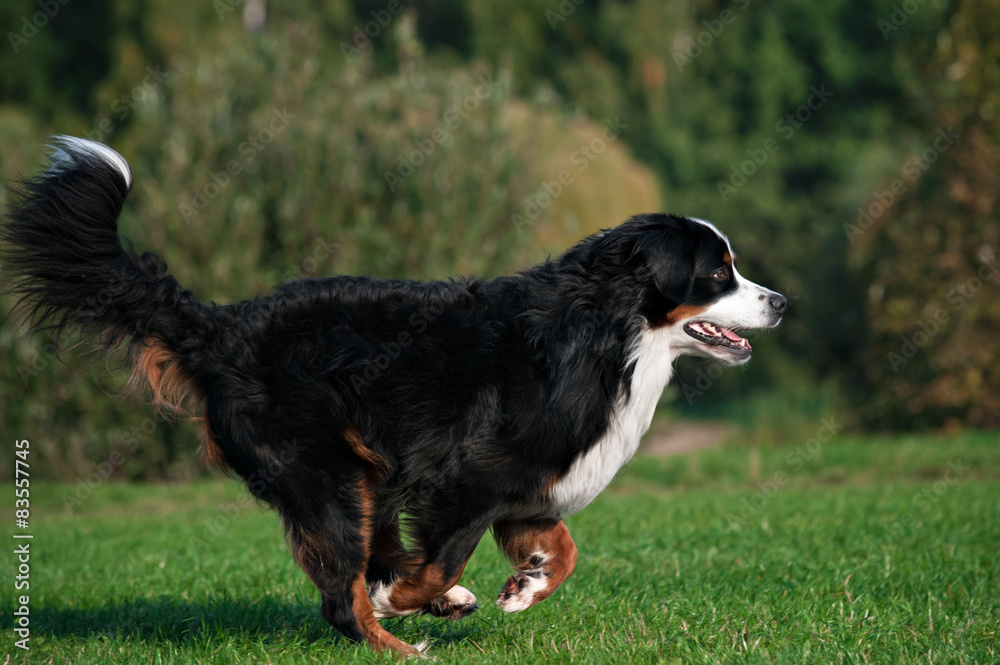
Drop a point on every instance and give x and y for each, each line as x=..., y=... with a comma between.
x=930, y=259
x=716, y=96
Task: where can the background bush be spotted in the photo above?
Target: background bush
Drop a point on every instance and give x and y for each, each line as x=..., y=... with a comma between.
x=188, y=91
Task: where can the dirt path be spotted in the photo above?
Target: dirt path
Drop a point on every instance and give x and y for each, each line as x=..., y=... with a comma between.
x=685, y=437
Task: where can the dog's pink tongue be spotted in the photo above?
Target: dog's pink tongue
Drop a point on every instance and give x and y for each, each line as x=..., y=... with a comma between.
x=733, y=337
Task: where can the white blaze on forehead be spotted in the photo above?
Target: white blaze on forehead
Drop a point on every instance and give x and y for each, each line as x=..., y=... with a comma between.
x=748, y=306
x=743, y=308
x=715, y=229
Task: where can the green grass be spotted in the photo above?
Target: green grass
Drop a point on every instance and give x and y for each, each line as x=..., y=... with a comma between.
x=864, y=553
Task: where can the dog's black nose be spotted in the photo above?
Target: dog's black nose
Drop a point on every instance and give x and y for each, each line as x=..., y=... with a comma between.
x=778, y=303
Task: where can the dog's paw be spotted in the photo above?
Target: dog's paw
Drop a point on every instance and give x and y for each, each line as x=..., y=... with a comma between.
x=457, y=603
x=522, y=590
x=422, y=647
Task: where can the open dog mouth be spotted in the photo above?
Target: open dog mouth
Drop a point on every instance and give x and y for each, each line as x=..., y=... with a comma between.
x=714, y=335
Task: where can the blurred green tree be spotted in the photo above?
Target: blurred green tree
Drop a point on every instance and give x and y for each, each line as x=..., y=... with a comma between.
x=927, y=243
x=770, y=119
x=264, y=157
x=40, y=63
x=334, y=137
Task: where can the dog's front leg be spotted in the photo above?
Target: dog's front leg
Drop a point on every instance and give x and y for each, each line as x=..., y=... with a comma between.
x=544, y=555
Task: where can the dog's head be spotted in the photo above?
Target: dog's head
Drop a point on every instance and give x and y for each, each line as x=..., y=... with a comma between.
x=697, y=296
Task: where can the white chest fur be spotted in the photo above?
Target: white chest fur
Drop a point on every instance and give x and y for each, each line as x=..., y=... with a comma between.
x=592, y=472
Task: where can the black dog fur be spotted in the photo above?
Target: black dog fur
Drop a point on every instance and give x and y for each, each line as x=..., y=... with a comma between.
x=461, y=403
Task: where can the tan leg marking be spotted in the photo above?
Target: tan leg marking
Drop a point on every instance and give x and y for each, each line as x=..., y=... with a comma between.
x=544, y=555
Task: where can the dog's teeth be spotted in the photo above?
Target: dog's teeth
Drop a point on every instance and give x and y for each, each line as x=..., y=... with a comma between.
x=712, y=330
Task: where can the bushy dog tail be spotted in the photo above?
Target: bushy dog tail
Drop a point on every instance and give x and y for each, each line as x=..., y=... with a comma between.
x=63, y=258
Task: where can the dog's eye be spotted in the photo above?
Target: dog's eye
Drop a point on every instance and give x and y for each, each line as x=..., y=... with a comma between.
x=720, y=274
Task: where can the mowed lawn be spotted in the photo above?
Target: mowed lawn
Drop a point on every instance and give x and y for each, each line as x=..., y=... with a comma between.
x=859, y=550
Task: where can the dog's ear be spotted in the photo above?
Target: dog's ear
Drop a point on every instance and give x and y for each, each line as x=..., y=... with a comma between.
x=670, y=258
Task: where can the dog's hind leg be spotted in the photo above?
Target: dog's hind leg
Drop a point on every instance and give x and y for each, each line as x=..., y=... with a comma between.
x=544, y=555
x=388, y=558
x=390, y=562
x=330, y=539
x=429, y=583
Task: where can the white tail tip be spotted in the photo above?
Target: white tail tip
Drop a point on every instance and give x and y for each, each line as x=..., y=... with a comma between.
x=64, y=148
